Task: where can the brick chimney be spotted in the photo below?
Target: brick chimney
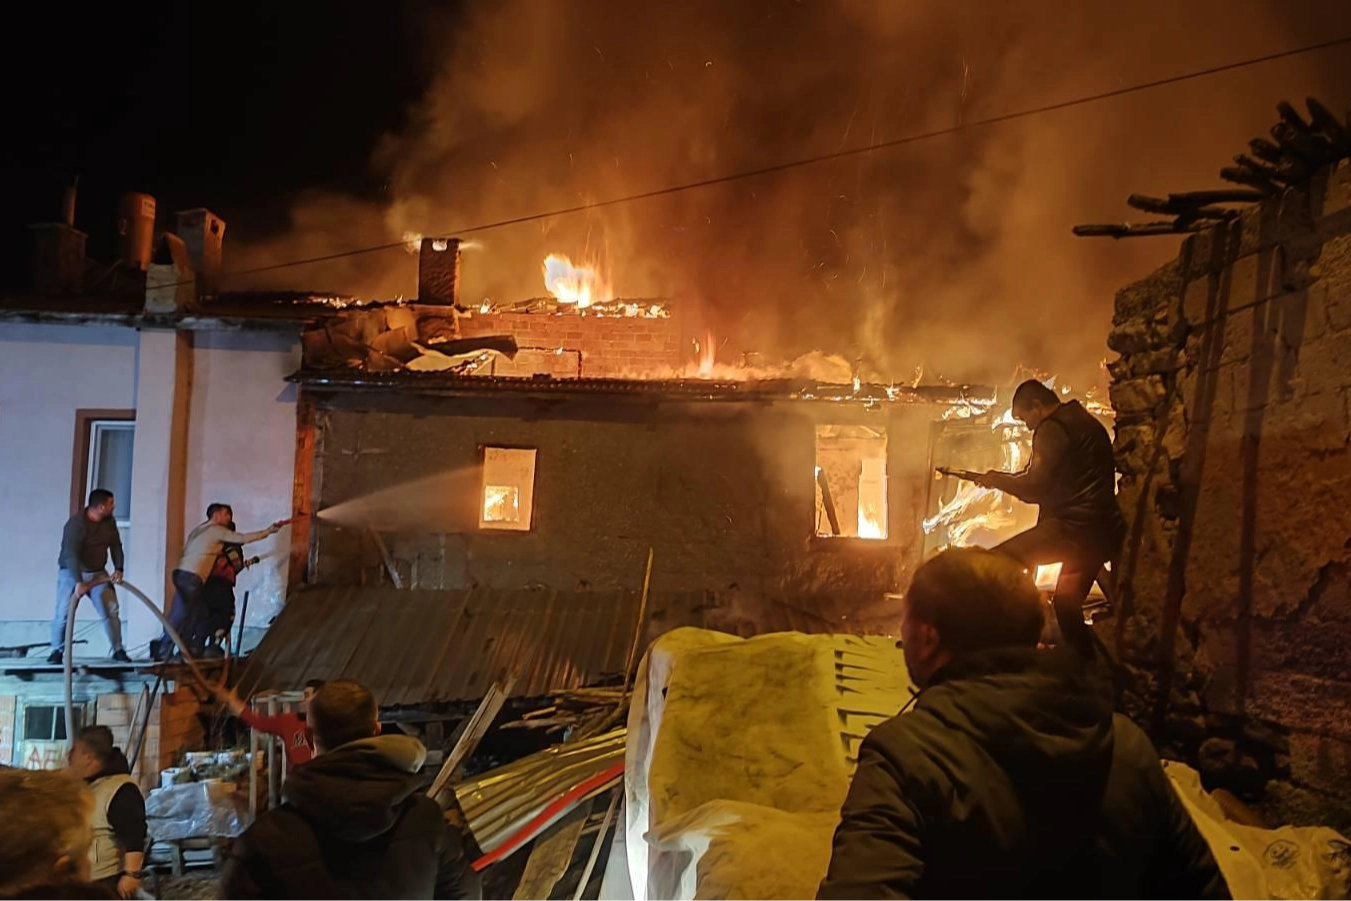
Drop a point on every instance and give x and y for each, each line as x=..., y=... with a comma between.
x=170, y=283
x=438, y=271
x=203, y=233
x=58, y=251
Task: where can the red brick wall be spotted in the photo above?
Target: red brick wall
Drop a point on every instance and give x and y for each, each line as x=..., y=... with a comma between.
x=610, y=346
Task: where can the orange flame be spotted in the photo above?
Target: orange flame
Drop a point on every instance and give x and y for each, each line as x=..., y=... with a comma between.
x=707, y=351
x=572, y=284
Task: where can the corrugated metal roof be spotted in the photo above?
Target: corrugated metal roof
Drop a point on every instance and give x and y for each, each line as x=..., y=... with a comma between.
x=416, y=646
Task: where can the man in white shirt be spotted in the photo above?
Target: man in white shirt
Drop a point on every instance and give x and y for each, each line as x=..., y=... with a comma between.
x=199, y=555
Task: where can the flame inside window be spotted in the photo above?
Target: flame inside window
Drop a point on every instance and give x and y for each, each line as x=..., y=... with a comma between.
x=501, y=503
x=508, y=488
x=851, y=482
x=1048, y=574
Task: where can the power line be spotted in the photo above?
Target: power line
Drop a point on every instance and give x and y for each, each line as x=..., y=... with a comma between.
x=822, y=158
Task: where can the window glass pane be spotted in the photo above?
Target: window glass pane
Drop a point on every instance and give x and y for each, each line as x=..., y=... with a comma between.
x=37, y=723
x=110, y=463
x=508, y=488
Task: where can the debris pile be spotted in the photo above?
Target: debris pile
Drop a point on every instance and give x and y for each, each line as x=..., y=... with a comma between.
x=1297, y=148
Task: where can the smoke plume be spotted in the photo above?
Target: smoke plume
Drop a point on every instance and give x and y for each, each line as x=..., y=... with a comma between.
x=953, y=253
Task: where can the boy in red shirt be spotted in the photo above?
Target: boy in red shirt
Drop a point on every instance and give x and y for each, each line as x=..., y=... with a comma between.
x=289, y=727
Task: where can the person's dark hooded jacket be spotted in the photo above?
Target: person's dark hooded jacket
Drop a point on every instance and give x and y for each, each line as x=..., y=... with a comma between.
x=1012, y=778
x=353, y=825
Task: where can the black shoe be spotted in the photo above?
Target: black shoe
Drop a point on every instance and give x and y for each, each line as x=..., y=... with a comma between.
x=121, y=656
x=55, y=657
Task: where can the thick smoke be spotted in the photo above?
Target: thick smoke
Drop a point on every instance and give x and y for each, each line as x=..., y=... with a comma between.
x=953, y=253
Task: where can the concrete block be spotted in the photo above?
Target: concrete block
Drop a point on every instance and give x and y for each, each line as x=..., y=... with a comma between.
x=113, y=717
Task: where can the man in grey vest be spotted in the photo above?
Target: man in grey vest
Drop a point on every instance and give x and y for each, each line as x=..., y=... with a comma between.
x=117, y=854
x=88, y=540
x=1072, y=479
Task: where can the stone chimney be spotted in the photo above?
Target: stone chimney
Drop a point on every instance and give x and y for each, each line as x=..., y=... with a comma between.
x=203, y=233
x=58, y=251
x=438, y=271
x=170, y=283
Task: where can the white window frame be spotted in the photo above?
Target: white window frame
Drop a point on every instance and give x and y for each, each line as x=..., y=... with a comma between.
x=97, y=426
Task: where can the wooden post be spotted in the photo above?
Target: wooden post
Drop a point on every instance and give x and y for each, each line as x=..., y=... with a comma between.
x=273, y=772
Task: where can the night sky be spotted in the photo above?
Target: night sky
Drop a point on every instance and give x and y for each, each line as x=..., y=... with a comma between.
x=316, y=128
x=230, y=106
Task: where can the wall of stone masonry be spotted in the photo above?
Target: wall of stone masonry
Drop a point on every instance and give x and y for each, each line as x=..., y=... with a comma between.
x=1234, y=445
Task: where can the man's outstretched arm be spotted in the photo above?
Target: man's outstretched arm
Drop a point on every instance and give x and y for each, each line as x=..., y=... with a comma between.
x=1050, y=444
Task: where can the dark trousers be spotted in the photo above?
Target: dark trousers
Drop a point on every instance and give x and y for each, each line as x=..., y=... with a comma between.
x=185, y=615
x=1080, y=563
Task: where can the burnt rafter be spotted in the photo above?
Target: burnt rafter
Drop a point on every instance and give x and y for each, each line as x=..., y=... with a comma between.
x=1296, y=149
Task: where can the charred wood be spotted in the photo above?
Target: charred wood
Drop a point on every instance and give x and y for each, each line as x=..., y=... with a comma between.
x=1222, y=195
x=1328, y=126
x=1170, y=207
x=1241, y=176
x=1304, y=147
x=1291, y=117
x=1265, y=150
x=1136, y=230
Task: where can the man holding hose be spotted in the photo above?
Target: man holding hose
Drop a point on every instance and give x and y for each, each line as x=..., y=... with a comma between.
x=199, y=556
x=88, y=540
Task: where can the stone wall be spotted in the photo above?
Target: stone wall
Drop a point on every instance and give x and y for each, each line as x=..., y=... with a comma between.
x=1234, y=445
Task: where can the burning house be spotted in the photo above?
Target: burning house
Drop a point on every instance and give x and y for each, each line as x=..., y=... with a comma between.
x=522, y=463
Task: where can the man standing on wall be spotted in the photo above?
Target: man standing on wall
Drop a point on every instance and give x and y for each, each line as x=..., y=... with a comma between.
x=1072, y=479
x=88, y=540
x=199, y=556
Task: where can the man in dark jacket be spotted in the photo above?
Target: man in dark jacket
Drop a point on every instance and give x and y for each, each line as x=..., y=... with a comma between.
x=1072, y=478
x=353, y=824
x=1011, y=778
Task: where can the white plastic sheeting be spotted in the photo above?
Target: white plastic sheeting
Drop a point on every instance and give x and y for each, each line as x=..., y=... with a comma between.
x=740, y=754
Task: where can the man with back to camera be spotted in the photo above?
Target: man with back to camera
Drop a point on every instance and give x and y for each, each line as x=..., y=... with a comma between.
x=355, y=823
x=1011, y=777
x=1071, y=477
x=89, y=538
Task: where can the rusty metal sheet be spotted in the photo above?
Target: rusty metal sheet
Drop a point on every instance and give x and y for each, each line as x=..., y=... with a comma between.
x=421, y=645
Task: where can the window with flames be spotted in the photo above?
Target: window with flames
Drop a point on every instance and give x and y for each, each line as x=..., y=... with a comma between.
x=508, y=489
x=851, y=482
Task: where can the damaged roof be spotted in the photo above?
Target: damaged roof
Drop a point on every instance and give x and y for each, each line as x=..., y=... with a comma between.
x=441, y=383
x=231, y=309
x=412, y=646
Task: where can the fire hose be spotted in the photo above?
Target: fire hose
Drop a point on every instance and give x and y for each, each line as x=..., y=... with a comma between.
x=70, y=645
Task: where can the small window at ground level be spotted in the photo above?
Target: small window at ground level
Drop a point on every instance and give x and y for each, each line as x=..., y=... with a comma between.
x=851, y=482
x=508, y=488
x=48, y=723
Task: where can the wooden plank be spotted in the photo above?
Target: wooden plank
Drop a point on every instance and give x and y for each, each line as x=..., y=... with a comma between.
x=302, y=488
x=552, y=854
